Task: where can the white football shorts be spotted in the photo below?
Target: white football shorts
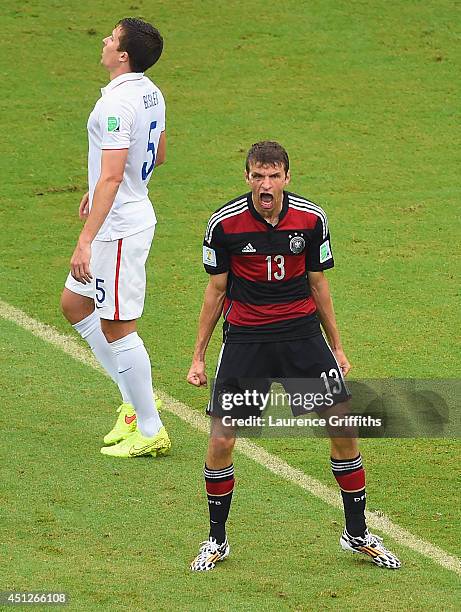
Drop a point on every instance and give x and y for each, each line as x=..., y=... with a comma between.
x=118, y=268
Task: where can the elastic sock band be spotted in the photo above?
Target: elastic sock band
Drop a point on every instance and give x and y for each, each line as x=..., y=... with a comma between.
x=126, y=343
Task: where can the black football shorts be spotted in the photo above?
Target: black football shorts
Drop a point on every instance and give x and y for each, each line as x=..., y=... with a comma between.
x=305, y=368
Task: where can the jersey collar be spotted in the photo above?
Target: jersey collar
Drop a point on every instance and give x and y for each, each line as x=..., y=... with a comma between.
x=127, y=76
x=261, y=219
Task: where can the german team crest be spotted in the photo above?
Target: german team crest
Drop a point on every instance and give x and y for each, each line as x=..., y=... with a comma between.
x=297, y=244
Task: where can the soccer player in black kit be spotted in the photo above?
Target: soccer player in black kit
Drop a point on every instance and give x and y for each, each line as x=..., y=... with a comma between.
x=266, y=252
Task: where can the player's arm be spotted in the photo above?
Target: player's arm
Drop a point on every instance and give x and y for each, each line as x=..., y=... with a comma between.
x=160, y=158
x=213, y=299
x=322, y=298
x=113, y=163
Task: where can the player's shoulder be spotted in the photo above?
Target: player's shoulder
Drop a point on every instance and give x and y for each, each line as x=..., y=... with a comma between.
x=240, y=203
x=118, y=99
x=149, y=84
x=302, y=205
x=235, y=207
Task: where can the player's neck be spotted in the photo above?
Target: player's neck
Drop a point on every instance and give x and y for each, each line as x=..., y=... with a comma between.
x=271, y=216
x=116, y=72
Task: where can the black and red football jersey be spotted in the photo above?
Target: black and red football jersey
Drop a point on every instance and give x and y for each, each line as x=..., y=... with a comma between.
x=268, y=295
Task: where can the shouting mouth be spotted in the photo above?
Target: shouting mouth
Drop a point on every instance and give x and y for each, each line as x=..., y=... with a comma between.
x=266, y=199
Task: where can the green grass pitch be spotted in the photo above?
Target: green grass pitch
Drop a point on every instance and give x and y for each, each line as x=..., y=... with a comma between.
x=364, y=97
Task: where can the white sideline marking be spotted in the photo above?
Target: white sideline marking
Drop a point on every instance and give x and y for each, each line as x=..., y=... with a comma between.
x=249, y=449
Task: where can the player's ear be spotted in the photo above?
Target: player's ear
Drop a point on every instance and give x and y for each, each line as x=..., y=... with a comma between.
x=287, y=177
x=124, y=57
x=247, y=177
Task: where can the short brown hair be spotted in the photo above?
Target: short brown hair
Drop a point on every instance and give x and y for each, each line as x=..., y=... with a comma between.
x=142, y=42
x=267, y=152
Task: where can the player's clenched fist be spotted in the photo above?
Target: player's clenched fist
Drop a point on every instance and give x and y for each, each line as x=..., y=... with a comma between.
x=342, y=361
x=197, y=376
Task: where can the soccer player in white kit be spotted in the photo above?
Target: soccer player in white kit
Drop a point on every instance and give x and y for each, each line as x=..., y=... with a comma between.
x=104, y=292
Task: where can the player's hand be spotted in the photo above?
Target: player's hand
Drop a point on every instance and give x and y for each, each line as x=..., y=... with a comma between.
x=80, y=263
x=84, y=208
x=197, y=376
x=342, y=360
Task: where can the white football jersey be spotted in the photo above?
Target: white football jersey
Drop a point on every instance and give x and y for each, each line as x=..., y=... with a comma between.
x=129, y=115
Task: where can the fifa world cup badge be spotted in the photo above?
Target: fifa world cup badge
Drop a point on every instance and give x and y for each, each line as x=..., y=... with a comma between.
x=209, y=256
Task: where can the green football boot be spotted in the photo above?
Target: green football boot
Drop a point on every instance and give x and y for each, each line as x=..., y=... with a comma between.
x=125, y=424
x=137, y=445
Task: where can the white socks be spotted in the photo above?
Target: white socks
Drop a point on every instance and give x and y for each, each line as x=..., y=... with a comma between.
x=128, y=364
x=90, y=330
x=134, y=372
